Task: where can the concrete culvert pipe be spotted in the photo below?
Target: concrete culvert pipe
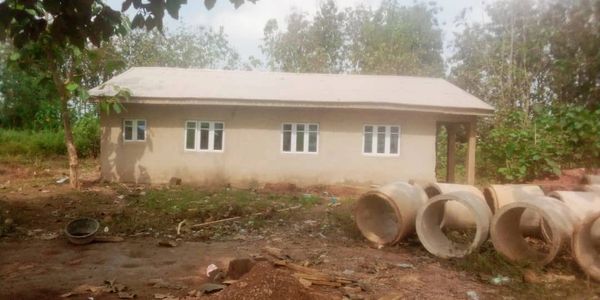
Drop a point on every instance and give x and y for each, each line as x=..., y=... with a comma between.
x=430, y=220
x=456, y=215
x=585, y=249
x=581, y=205
x=498, y=196
x=387, y=215
x=506, y=232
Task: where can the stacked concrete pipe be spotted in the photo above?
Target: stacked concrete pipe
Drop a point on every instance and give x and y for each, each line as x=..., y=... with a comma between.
x=437, y=211
x=498, y=196
x=581, y=205
x=585, y=248
x=456, y=215
x=506, y=230
x=387, y=215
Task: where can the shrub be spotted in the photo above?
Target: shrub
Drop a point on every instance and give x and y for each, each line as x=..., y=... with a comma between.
x=86, y=133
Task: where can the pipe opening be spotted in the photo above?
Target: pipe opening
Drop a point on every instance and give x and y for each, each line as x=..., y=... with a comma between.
x=509, y=240
x=449, y=242
x=377, y=219
x=586, y=249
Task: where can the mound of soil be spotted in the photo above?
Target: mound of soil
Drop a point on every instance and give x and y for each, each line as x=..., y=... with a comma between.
x=265, y=282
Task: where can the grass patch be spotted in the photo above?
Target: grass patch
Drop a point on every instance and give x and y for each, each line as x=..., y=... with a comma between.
x=487, y=264
x=165, y=207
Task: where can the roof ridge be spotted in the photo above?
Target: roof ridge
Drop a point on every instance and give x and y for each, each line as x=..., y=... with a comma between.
x=288, y=73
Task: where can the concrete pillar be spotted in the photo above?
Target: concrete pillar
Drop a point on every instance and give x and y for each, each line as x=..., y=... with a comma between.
x=471, y=145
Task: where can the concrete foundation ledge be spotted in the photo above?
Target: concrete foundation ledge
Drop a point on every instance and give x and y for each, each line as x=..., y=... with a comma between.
x=585, y=249
x=506, y=230
x=432, y=215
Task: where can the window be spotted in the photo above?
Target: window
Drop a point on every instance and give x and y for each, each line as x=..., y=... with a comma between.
x=300, y=138
x=381, y=140
x=134, y=130
x=204, y=136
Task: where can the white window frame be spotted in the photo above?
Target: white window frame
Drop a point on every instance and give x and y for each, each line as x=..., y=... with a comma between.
x=388, y=138
x=134, y=124
x=306, y=138
x=211, y=136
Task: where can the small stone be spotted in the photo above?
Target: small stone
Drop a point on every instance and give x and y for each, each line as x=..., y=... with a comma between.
x=530, y=276
x=472, y=295
x=209, y=288
x=239, y=266
x=167, y=244
x=175, y=181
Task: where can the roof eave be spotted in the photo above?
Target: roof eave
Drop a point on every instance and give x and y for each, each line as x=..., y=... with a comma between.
x=310, y=104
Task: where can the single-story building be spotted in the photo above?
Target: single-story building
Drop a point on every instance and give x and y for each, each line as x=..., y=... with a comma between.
x=248, y=127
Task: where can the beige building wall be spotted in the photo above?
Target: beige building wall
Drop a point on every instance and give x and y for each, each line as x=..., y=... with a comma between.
x=252, y=146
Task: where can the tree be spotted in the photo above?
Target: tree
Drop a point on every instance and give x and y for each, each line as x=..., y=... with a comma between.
x=53, y=35
x=393, y=39
x=184, y=48
x=307, y=46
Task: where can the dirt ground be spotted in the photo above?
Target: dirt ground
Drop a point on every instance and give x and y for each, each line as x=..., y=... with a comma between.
x=37, y=262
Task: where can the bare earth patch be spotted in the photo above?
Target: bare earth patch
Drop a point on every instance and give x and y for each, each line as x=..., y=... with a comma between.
x=36, y=261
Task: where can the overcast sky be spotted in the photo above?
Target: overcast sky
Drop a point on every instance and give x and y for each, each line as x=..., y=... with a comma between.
x=244, y=26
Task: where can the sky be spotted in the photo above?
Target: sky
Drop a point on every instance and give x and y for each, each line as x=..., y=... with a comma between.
x=244, y=26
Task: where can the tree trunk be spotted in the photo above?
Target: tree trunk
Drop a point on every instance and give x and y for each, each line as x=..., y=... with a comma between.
x=71, y=150
x=66, y=118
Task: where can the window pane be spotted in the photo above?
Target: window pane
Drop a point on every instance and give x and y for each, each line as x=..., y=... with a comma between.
x=287, y=141
x=312, y=142
x=218, y=142
x=287, y=127
x=313, y=127
x=394, y=143
x=204, y=138
x=128, y=130
x=299, y=137
x=218, y=126
x=395, y=129
x=381, y=139
x=191, y=125
x=190, y=138
x=368, y=128
x=141, y=130
x=368, y=147
x=204, y=125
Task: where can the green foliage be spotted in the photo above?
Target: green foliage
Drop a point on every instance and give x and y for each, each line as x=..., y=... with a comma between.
x=393, y=39
x=44, y=143
x=51, y=142
x=87, y=136
x=563, y=136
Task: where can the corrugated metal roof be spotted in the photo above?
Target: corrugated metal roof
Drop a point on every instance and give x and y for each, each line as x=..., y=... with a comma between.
x=198, y=86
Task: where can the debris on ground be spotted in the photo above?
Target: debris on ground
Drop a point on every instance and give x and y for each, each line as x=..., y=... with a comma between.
x=167, y=244
x=110, y=286
x=49, y=236
x=62, y=180
x=405, y=265
x=179, y=227
x=266, y=282
x=209, y=288
x=472, y=295
x=499, y=280
x=163, y=284
x=108, y=239
x=276, y=252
